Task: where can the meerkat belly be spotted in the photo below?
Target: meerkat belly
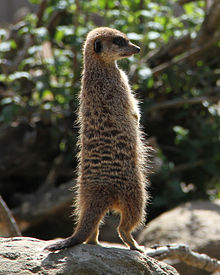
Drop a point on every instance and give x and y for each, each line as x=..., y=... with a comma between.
x=109, y=152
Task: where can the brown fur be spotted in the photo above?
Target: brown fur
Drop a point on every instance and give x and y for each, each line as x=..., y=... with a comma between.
x=111, y=173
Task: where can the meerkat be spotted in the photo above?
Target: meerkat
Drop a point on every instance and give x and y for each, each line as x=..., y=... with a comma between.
x=112, y=158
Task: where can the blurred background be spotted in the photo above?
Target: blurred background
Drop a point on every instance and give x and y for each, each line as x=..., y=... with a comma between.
x=176, y=78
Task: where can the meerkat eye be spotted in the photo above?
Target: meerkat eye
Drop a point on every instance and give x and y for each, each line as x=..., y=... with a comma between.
x=97, y=46
x=120, y=41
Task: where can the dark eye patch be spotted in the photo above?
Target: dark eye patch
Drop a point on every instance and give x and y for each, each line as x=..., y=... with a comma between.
x=120, y=41
x=97, y=46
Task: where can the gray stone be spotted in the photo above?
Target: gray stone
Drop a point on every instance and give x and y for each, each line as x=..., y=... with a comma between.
x=196, y=224
x=26, y=256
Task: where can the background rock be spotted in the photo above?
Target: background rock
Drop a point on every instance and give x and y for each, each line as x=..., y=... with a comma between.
x=196, y=224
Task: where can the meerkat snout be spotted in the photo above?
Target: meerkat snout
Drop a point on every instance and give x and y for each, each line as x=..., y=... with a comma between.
x=134, y=47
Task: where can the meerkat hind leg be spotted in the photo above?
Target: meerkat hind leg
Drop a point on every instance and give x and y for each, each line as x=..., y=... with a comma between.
x=129, y=240
x=87, y=226
x=129, y=219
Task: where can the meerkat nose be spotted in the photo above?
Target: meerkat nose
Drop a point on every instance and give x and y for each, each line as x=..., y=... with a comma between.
x=137, y=49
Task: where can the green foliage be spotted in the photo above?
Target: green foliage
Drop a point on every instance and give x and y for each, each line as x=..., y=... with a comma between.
x=47, y=81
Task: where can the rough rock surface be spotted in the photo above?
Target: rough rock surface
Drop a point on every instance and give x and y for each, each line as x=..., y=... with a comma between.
x=196, y=224
x=26, y=256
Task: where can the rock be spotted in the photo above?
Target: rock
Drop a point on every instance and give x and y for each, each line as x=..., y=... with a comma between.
x=196, y=224
x=22, y=255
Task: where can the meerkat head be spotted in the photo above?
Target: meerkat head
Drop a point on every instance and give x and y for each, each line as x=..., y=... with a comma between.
x=109, y=45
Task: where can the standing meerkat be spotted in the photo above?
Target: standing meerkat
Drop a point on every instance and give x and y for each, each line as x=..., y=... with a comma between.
x=111, y=172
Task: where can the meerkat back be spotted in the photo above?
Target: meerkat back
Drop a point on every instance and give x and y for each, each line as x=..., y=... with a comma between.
x=111, y=173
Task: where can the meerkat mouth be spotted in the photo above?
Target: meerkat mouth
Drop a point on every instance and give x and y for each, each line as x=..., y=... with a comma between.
x=126, y=55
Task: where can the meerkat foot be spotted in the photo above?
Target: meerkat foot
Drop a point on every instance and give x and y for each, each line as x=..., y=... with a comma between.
x=139, y=248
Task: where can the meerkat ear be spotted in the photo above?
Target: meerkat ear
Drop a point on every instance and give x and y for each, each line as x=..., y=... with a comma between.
x=97, y=46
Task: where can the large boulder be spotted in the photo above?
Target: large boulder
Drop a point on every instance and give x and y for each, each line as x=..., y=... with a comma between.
x=26, y=256
x=196, y=224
